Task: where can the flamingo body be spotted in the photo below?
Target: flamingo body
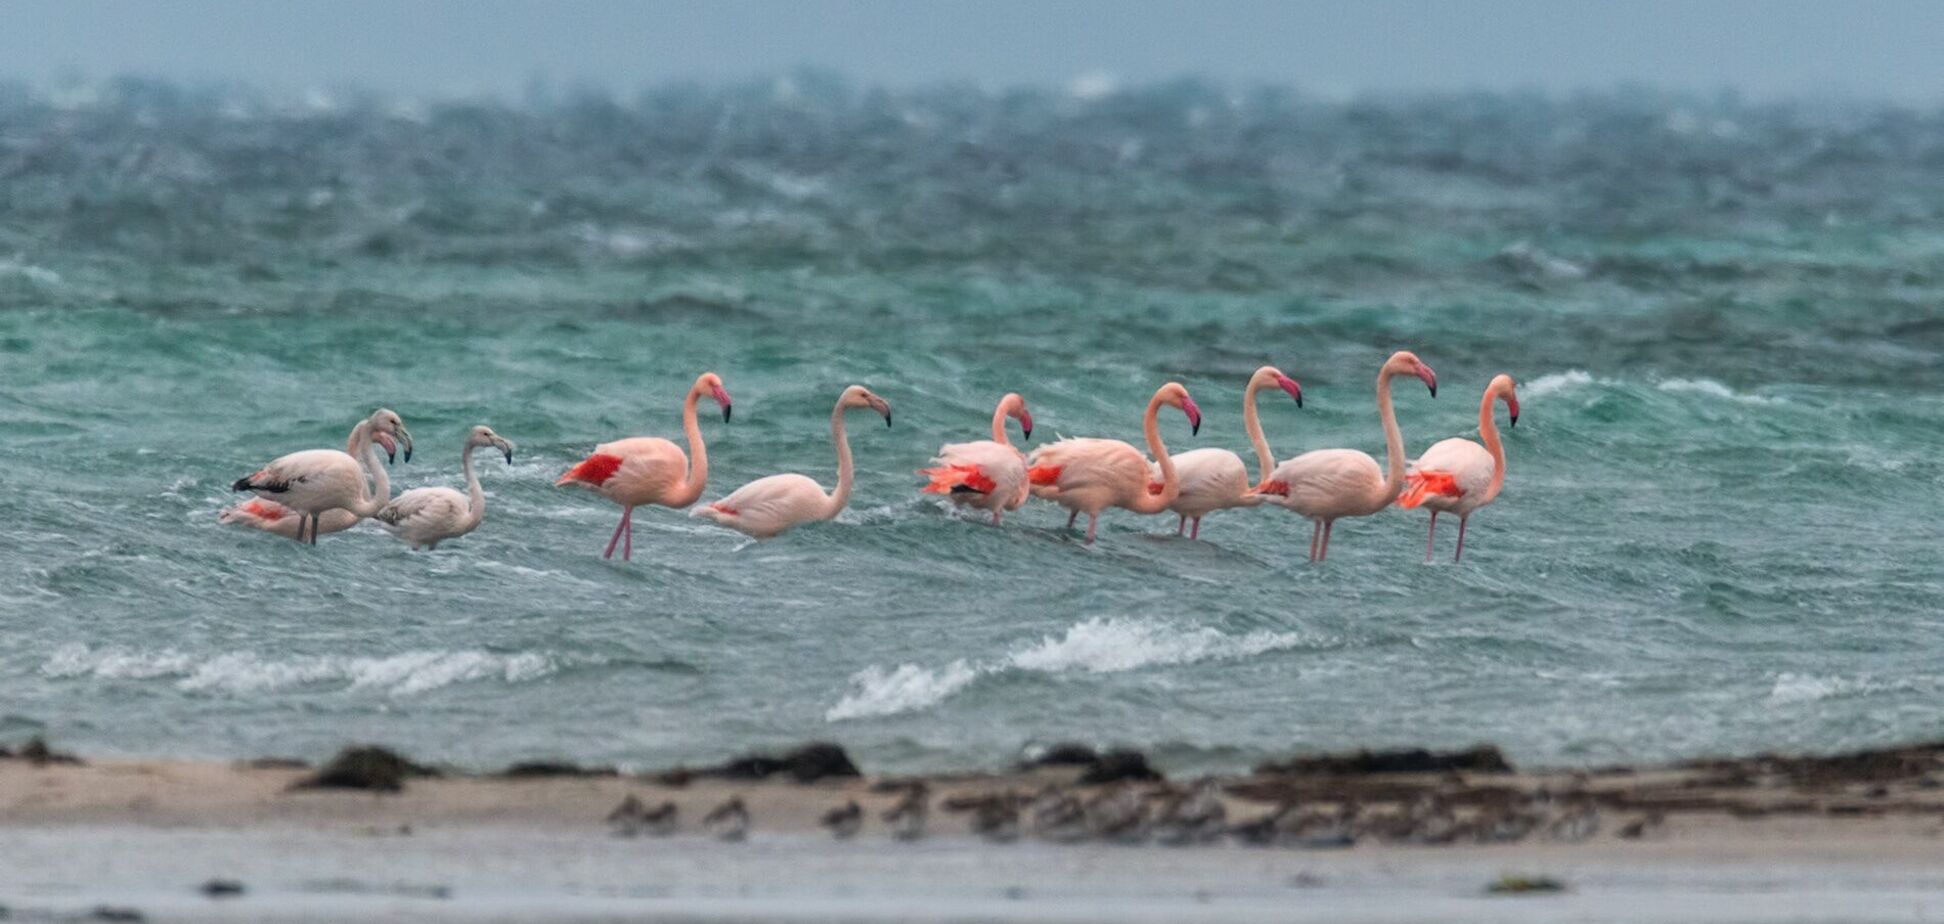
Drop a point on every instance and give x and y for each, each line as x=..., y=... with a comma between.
x=986, y=474
x=646, y=470
x=769, y=506
x=1217, y=479
x=271, y=517
x=1088, y=475
x=424, y=517
x=1458, y=475
x=315, y=481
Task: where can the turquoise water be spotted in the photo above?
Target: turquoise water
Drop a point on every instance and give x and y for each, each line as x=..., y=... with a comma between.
x=1719, y=532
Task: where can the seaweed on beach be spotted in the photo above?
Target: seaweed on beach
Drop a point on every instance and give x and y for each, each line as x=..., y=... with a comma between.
x=545, y=769
x=36, y=752
x=807, y=764
x=366, y=767
x=1483, y=758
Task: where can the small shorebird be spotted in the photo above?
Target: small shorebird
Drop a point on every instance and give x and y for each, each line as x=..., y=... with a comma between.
x=844, y=820
x=645, y=470
x=1118, y=815
x=728, y=821
x=770, y=506
x=1459, y=476
x=907, y=818
x=987, y=474
x=1058, y=816
x=997, y=819
x=1194, y=817
x=660, y=821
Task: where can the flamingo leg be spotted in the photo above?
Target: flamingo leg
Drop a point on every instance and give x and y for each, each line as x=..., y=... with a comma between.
x=1461, y=538
x=617, y=532
x=1196, y=533
x=1316, y=535
x=1075, y=515
x=313, y=528
x=1324, y=553
x=1181, y=528
x=627, y=542
x=995, y=518
x=1093, y=523
x=1431, y=536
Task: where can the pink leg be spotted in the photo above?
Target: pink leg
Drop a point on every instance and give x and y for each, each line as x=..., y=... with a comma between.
x=617, y=532
x=995, y=518
x=1316, y=537
x=1431, y=537
x=1324, y=553
x=1075, y=515
x=1093, y=523
x=1461, y=538
x=1181, y=527
x=1196, y=532
x=627, y=540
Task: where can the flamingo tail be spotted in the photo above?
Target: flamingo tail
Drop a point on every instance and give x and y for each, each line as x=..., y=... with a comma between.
x=1420, y=485
x=1044, y=474
x=957, y=479
x=592, y=470
x=1270, y=486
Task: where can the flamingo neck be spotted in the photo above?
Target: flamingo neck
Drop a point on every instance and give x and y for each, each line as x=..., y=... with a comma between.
x=374, y=466
x=1252, y=423
x=1488, y=429
x=1393, y=440
x=999, y=424
x=366, y=505
x=698, y=472
x=1170, y=483
x=475, y=495
x=841, y=437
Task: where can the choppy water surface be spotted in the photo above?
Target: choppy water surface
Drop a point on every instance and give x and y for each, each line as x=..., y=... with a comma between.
x=1720, y=530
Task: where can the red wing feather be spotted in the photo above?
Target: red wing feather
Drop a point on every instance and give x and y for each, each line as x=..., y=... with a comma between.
x=1423, y=484
x=594, y=470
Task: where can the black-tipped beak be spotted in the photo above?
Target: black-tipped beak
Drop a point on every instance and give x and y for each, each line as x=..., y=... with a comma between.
x=242, y=484
x=509, y=457
x=725, y=413
x=1028, y=431
x=1299, y=402
x=391, y=458
x=1515, y=420
x=887, y=418
x=1434, y=391
x=1194, y=429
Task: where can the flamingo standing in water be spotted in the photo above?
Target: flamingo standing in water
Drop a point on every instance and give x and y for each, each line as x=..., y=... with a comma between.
x=1459, y=476
x=989, y=474
x=770, y=506
x=425, y=517
x=1090, y=475
x=1215, y=479
x=651, y=470
x=1328, y=484
x=317, y=481
x=272, y=517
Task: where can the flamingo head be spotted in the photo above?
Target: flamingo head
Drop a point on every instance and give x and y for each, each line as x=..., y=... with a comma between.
x=385, y=421
x=483, y=435
x=1016, y=409
x=391, y=446
x=1175, y=395
x=711, y=384
x=859, y=396
x=1405, y=362
x=1270, y=375
x=1506, y=390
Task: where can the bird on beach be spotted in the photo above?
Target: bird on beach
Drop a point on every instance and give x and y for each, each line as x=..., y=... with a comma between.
x=987, y=474
x=1458, y=475
x=645, y=470
x=907, y=818
x=844, y=821
x=1326, y=485
x=1216, y=479
x=1089, y=475
x=728, y=821
x=425, y=517
x=768, y=507
x=315, y=481
x=272, y=517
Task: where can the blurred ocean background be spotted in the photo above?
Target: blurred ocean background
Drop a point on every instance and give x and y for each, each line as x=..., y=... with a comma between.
x=1720, y=531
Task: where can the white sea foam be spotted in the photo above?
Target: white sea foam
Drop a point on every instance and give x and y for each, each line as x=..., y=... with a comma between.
x=247, y=672
x=1713, y=389
x=1555, y=382
x=1809, y=688
x=1098, y=645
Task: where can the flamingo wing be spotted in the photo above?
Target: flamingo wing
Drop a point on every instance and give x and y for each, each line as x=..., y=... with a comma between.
x=767, y=506
x=1003, y=469
x=1211, y=479
x=1458, y=472
x=1108, y=467
x=423, y=511
x=635, y=471
x=1326, y=483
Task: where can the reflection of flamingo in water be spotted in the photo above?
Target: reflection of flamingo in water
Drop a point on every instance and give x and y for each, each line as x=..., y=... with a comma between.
x=317, y=481
x=1215, y=479
x=651, y=470
x=988, y=474
x=272, y=517
x=1328, y=484
x=426, y=517
x=1090, y=475
x=769, y=506
x=1459, y=476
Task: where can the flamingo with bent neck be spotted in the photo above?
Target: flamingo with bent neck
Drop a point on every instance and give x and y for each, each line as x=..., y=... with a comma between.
x=650, y=470
x=1459, y=476
x=987, y=474
x=425, y=517
x=770, y=506
x=317, y=481
x=1328, y=484
x=1215, y=479
x=272, y=517
x=1090, y=475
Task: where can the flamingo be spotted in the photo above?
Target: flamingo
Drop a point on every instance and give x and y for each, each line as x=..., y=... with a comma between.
x=425, y=517
x=315, y=481
x=985, y=473
x=1090, y=475
x=770, y=506
x=1459, y=476
x=651, y=470
x=1215, y=479
x=272, y=517
x=1328, y=484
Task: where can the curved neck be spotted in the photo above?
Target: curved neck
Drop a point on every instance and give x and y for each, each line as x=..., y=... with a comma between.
x=475, y=495
x=1252, y=423
x=366, y=504
x=1488, y=429
x=698, y=473
x=374, y=466
x=841, y=496
x=999, y=424
x=1170, y=484
x=1393, y=440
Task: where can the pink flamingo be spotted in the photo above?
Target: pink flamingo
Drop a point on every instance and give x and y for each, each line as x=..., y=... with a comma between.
x=316, y=481
x=989, y=474
x=771, y=506
x=425, y=517
x=272, y=517
x=1090, y=475
x=1215, y=479
x=1459, y=476
x=650, y=470
x=1328, y=484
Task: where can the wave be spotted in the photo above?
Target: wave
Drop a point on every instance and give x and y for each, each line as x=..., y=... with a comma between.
x=401, y=674
x=1808, y=688
x=1098, y=646
x=1713, y=389
x=1556, y=382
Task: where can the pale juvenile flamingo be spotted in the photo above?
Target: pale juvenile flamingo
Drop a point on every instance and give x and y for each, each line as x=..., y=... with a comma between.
x=1329, y=484
x=770, y=506
x=1090, y=475
x=1216, y=479
x=272, y=517
x=1459, y=476
x=988, y=474
x=316, y=481
x=425, y=517
x=651, y=470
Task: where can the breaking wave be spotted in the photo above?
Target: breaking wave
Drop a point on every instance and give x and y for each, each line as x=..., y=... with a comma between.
x=402, y=674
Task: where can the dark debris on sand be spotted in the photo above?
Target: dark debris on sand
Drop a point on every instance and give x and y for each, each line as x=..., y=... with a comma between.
x=1116, y=766
x=1483, y=758
x=545, y=769
x=807, y=764
x=367, y=767
x=36, y=752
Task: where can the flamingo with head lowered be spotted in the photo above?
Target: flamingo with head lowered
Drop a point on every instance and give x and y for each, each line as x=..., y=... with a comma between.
x=1459, y=476
x=771, y=506
x=651, y=470
x=1090, y=475
x=988, y=474
x=316, y=481
x=272, y=517
x=1328, y=484
x=425, y=517
x=1215, y=479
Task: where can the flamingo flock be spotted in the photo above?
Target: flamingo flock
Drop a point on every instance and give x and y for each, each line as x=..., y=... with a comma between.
x=305, y=494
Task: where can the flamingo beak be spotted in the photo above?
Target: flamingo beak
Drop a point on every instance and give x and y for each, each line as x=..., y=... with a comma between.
x=405, y=436
x=391, y=447
x=1430, y=378
x=505, y=446
x=883, y=407
x=1026, y=423
x=1194, y=414
x=722, y=398
x=1295, y=391
x=1512, y=405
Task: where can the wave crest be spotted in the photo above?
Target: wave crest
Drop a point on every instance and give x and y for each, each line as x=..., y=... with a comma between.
x=401, y=674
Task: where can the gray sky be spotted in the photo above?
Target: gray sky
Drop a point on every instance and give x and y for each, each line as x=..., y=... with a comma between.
x=1876, y=48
